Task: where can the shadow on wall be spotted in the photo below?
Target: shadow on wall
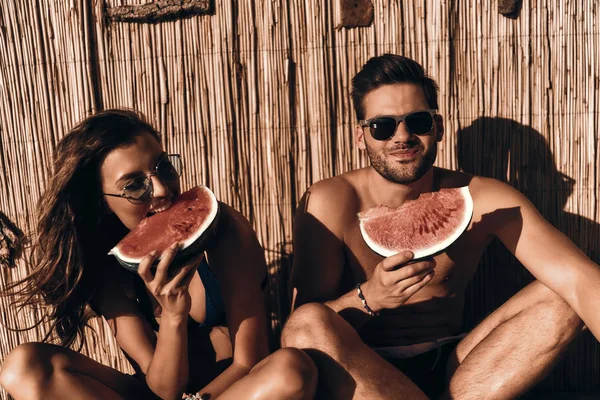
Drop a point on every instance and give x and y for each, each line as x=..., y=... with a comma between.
x=278, y=299
x=519, y=155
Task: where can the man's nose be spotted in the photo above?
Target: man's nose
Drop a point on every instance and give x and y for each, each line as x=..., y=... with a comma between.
x=401, y=134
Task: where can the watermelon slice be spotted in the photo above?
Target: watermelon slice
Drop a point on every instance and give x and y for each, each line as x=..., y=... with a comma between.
x=425, y=226
x=188, y=220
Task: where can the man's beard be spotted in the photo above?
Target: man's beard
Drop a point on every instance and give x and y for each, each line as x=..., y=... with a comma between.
x=402, y=171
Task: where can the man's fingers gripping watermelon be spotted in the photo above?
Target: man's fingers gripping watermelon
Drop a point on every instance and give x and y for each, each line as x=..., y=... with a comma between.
x=396, y=279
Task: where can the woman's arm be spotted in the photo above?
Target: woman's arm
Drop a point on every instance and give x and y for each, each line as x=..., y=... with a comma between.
x=168, y=372
x=238, y=260
x=163, y=358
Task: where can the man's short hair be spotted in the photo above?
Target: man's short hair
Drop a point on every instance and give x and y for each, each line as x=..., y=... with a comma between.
x=389, y=69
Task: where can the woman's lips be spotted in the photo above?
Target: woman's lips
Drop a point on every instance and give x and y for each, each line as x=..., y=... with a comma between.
x=159, y=208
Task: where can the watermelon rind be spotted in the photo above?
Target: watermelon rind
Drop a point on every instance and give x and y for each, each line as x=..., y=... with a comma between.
x=436, y=248
x=190, y=247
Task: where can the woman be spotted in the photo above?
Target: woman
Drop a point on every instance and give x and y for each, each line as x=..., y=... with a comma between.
x=110, y=173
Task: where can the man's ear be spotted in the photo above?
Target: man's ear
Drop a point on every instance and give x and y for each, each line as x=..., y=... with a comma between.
x=360, y=137
x=439, y=127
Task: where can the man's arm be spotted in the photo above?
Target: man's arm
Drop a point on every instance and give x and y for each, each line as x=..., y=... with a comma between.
x=548, y=254
x=318, y=247
x=319, y=258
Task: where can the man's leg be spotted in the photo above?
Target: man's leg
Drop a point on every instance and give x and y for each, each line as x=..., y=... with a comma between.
x=514, y=348
x=348, y=369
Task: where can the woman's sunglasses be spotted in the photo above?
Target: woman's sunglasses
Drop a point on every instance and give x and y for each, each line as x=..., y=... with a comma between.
x=383, y=128
x=139, y=189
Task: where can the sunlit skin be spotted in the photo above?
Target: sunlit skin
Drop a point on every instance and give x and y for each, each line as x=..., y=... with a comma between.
x=409, y=158
x=136, y=159
x=423, y=301
x=180, y=356
x=405, y=157
x=140, y=159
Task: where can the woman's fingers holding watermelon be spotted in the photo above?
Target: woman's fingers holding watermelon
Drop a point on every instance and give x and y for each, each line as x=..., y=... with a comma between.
x=174, y=271
x=184, y=275
x=163, y=266
x=144, y=269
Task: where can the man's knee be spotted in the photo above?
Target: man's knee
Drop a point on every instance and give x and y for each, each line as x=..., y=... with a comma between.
x=308, y=326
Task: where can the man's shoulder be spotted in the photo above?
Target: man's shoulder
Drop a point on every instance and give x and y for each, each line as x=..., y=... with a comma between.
x=344, y=184
x=486, y=187
x=334, y=197
x=490, y=196
x=476, y=183
x=489, y=192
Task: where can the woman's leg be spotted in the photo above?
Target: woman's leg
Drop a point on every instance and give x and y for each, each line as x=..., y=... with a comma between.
x=286, y=374
x=44, y=371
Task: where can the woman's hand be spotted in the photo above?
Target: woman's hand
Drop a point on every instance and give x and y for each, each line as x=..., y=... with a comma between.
x=170, y=287
x=168, y=372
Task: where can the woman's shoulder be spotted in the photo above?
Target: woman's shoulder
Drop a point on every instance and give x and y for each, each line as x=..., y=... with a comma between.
x=234, y=234
x=232, y=222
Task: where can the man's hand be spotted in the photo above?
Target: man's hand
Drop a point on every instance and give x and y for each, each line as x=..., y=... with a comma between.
x=395, y=280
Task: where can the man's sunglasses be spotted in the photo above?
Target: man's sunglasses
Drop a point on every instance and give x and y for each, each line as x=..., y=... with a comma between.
x=139, y=189
x=383, y=128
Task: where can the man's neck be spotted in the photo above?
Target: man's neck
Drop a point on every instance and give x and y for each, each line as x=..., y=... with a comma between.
x=385, y=192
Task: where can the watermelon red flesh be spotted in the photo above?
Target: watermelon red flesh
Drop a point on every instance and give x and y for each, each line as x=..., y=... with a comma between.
x=186, y=220
x=424, y=226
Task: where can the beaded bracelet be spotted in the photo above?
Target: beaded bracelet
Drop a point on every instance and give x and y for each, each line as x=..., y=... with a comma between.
x=364, y=302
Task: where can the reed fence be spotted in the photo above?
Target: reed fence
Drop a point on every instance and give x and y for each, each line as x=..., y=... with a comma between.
x=255, y=96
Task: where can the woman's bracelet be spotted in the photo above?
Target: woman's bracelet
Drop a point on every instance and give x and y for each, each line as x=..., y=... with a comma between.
x=197, y=396
x=364, y=302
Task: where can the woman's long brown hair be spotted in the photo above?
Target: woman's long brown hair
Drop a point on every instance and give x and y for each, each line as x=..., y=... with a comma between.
x=74, y=230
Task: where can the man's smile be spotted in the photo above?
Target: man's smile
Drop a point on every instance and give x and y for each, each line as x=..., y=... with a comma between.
x=405, y=153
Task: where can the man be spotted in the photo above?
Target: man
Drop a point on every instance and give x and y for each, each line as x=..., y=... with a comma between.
x=403, y=338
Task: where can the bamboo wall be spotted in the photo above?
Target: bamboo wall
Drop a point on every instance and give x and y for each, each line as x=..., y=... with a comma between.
x=255, y=97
